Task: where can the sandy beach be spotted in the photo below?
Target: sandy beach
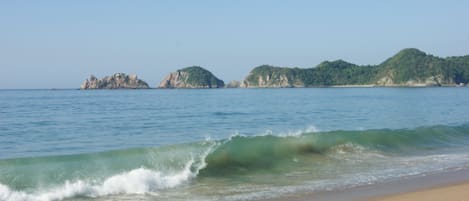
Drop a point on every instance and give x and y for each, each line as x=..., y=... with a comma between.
x=451, y=186
x=454, y=192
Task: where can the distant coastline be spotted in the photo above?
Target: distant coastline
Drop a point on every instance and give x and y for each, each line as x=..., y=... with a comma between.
x=312, y=87
x=408, y=68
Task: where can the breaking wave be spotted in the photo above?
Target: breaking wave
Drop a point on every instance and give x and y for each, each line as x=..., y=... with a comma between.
x=150, y=170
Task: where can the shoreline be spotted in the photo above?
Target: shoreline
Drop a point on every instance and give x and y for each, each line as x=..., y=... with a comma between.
x=153, y=88
x=457, y=191
x=452, y=185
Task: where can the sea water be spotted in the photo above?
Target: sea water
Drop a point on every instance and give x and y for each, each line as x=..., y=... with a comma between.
x=223, y=144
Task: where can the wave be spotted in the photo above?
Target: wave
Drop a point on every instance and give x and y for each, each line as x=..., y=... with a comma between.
x=244, y=153
x=137, y=181
x=151, y=170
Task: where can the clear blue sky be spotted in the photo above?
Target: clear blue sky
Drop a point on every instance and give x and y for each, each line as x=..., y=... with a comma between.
x=58, y=44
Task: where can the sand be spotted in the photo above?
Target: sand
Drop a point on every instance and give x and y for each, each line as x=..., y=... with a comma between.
x=455, y=192
x=444, y=186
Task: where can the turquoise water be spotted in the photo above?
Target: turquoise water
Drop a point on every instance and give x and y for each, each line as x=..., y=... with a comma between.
x=223, y=144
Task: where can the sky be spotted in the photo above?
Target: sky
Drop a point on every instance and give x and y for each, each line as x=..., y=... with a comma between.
x=58, y=44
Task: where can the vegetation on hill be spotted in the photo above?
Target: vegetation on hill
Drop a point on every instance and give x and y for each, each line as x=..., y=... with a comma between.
x=460, y=68
x=191, y=77
x=272, y=75
x=409, y=67
x=199, y=76
x=338, y=72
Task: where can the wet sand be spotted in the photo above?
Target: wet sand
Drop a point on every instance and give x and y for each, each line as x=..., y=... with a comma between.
x=456, y=192
x=452, y=185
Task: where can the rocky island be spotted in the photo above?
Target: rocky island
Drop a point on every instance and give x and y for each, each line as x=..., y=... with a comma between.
x=191, y=77
x=409, y=68
x=116, y=81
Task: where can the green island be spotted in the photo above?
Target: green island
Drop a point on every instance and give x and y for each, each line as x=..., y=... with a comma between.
x=409, y=67
x=191, y=77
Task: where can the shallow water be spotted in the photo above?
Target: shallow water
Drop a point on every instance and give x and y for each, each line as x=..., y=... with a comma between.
x=223, y=144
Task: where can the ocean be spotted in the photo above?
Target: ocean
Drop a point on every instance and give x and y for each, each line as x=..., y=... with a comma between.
x=224, y=144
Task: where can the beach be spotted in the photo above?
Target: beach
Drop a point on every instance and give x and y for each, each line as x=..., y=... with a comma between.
x=443, y=186
x=450, y=192
x=452, y=185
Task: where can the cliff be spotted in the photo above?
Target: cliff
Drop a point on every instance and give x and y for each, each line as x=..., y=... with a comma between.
x=273, y=77
x=191, y=77
x=409, y=67
x=116, y=81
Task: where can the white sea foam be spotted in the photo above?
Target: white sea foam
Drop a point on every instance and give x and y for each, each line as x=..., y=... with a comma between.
x=269, y=132
x=9, y=195
x=309, y=129
x=292, y=133
x=136, y=181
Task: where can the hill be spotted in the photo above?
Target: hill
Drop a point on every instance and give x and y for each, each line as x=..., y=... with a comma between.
x=191, y=77
x=409, y=67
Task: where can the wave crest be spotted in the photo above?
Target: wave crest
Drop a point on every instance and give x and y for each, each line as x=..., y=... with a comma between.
x=177, y=164
x=136, y=181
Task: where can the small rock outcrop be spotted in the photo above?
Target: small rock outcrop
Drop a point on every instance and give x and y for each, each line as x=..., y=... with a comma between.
x=233, y=84
x=191, y=77
x=116, y=81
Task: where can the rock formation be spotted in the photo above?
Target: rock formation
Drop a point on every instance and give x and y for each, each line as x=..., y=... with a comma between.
x=116, y=81
x=266, y=76
x=191, y=77
x=233, y=84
